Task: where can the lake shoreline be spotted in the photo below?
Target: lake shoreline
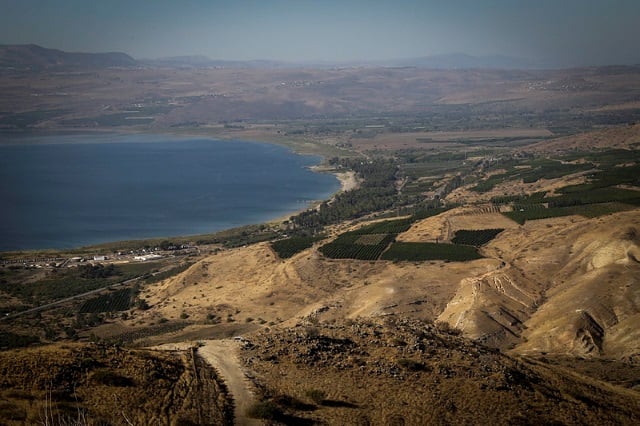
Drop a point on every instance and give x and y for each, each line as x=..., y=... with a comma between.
x=347, y=181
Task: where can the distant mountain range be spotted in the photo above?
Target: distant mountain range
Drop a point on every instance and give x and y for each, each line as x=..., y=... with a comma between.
x=34, y=57
x=449, y=61
x=462, y=61
x=199, y=61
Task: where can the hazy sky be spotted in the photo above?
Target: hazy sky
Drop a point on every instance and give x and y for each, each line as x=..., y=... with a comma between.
x=559, y=32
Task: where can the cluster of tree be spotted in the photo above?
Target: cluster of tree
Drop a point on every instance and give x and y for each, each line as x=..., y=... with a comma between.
x=377, y=192
x=97, y=271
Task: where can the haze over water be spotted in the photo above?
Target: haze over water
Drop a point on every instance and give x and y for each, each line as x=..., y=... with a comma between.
x=70, y=191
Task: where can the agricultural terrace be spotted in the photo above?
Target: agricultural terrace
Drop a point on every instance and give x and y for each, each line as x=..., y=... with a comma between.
x=377, y=241
x=613, y=185
x=417, y=252
x=75, y=299
x=476, y=238
x=288, y=247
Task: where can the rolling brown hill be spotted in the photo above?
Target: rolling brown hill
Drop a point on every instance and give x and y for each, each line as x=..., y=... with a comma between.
x=536, y=279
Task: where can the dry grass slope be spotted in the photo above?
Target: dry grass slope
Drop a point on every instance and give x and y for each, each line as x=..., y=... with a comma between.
x=92, y=384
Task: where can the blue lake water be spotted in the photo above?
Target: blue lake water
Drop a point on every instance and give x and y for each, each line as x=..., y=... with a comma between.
x=69, y=191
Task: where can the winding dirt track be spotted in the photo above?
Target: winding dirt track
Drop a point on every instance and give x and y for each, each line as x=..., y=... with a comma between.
x=223, y=356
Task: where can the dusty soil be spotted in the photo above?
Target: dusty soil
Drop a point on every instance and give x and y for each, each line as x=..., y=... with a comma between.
x=223, y=355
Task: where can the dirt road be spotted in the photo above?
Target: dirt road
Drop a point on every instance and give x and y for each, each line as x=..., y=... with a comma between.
x=223, y=356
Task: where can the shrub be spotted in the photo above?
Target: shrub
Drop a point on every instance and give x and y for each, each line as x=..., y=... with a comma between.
x=632, y=234
x=411, y=365
x=316, y=395
x=312, y=332
x=291, y=402
x=10, y=411
x=445, y=327
x=109, y=378
x=12, y=340
x=264, y=410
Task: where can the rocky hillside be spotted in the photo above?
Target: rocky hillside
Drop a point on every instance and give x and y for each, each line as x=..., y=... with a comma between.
x=400, y=372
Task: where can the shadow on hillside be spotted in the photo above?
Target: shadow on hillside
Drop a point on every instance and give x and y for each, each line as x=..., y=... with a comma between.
x=340, y=404
x=290, y=420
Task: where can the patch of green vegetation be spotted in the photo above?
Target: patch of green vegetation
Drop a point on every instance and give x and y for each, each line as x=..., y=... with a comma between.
x=266, y=410
x=137, y=269
x=64, y=283
x=475, y=238
x=418, y=164
x=421, y=214
x=590, y=210
x=595, y=210
x=521, y=215
x=288, y=247
x=385, y=227
x=377, y=193
x=238, y=237
x=599, y=196
x=535, y=198
x=607, y=178
x=120, y=300
x=606, y=159
x=536, y=169
x=370, y=241
x=411, y=365
x=167, y=274
x=491, y=182
x=316, y=395
x=551, y=169
x=346, y=246
x=415, y=252
x=59, y=285
x=9, y=340
x=110, y=378
x=594, y=196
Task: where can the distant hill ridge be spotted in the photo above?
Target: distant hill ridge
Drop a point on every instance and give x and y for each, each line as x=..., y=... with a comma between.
x=448, y=61
x=34, y=57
